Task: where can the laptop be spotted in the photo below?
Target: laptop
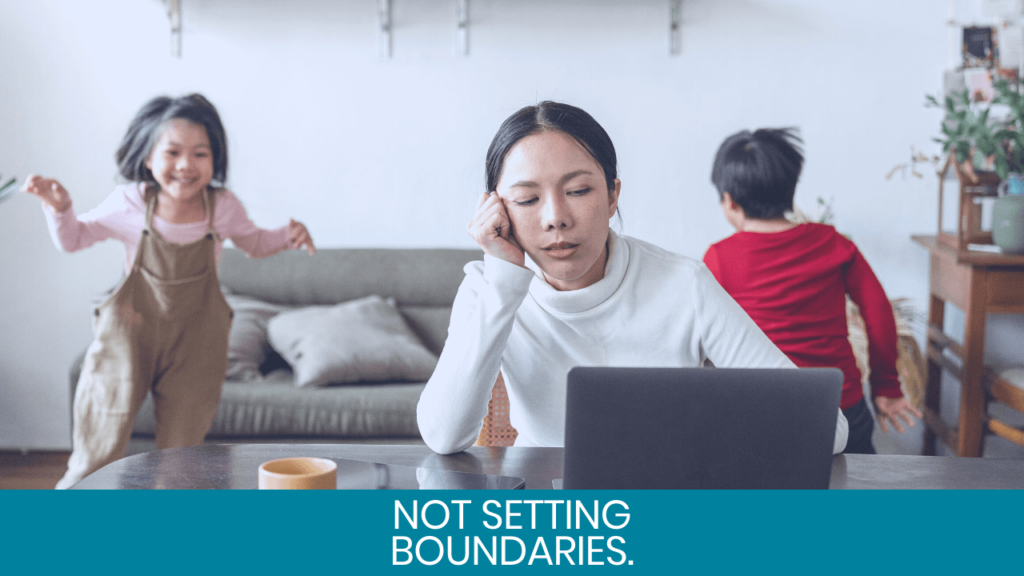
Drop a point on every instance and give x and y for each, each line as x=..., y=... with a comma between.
x=706, y=428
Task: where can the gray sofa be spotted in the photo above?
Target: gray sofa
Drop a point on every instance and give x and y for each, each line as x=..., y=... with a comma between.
x=423, y=282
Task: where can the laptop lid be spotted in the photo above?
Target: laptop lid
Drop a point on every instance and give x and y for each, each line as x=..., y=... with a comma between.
x=709, y=428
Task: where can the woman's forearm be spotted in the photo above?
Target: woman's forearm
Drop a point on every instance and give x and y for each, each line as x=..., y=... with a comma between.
x=453, y=405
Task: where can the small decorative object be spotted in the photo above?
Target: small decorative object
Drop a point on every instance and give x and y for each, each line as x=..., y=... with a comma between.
x=298, y=474
x=1008, y=216
x=8, y=189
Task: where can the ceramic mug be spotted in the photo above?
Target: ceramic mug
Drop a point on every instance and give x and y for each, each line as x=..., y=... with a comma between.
x=299, y=474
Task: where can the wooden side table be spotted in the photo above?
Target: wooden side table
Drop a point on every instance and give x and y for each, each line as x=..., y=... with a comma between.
x=978, y=283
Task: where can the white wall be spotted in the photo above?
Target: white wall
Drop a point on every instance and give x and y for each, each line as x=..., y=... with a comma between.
x=390, y=153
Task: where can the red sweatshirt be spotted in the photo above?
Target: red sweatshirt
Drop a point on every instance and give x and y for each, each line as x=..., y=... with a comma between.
x=793, y=284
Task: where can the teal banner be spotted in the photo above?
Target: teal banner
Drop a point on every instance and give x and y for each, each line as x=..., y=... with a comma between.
x=509, y=532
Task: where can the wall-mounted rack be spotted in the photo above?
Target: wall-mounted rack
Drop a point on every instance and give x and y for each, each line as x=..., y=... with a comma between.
x=675, y=33
x=174, y=15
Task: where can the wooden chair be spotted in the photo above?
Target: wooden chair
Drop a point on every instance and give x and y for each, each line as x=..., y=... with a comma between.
x=497, y=430
x=1005, y=387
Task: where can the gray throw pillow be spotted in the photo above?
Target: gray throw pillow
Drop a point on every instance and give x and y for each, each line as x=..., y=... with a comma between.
x=248, y=346
x=364, y=340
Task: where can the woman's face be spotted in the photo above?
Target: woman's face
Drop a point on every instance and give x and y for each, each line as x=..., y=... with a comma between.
x=559, y=204
x=181, y=161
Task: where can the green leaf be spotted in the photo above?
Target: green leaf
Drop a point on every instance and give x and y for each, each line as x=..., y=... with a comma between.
x=8, y=190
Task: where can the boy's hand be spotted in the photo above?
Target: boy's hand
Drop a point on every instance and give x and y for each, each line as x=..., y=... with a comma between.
x=298, y=237
x=893, y=410
x=491, y=228
x=49, y=191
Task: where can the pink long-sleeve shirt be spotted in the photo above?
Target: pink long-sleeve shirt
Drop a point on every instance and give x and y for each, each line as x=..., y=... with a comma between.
x=122, y=217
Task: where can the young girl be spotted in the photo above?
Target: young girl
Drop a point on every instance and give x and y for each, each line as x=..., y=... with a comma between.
x=557, y=289
x=165, y=329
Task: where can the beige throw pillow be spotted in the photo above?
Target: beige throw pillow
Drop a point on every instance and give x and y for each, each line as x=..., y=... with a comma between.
x=364, y=340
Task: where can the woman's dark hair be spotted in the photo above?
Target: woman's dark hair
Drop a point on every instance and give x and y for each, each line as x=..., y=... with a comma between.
x=548, y=115
x=760, y=171
x=138, y=142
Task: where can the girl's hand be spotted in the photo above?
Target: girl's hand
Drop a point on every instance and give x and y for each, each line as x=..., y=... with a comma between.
x=298, y=237
x=49, y=191
x=491, y=228
x=893, y=410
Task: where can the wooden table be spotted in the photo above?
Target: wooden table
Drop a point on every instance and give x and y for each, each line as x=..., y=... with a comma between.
x=235, y=466
x=979, y=283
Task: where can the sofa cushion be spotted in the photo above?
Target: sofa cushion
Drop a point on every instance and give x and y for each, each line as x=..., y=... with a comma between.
x=430, y=323
x=248, y=346
x=365, y=340
x=273, y=407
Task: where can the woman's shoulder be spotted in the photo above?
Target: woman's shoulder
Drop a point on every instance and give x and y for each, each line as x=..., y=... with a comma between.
x=654, y=263
x=646, y=254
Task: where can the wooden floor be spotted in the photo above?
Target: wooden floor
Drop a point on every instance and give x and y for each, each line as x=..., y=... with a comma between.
x=31, y=471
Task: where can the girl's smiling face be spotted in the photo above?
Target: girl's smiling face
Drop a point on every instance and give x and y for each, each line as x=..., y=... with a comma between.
x=558, y=203
x=181, y=161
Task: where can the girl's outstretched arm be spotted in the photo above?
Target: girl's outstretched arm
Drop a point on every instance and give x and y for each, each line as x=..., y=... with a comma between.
x=231, y=221
x=70, y=232
x=49, y=191
x=298, y=237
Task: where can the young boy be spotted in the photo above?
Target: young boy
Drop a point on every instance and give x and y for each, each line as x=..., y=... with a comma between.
x=792, y=279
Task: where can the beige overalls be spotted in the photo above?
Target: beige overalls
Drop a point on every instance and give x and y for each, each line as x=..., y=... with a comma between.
x=164, y=330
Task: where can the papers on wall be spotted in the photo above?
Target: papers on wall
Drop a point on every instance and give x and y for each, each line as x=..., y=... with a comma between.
x=979, y=84
x=1011, y=47
x=953, y=82
x=1002, y=8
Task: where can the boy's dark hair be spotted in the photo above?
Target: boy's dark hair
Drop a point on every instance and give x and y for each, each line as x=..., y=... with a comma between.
x=548, y=115
x=138, y=142
x=760, y=170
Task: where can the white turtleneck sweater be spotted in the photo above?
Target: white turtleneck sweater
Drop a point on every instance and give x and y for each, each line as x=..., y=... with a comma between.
x=652, y=308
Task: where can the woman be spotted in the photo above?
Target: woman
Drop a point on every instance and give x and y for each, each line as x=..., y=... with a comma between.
x=557, y=288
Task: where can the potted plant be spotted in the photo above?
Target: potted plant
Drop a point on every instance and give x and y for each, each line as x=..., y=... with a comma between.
x=1008, y=210
x=970, y=134
x=986, y=150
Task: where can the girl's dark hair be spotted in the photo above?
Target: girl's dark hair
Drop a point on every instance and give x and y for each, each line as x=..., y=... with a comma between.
x=142, y=134
x=548, y=115
x=760, y=170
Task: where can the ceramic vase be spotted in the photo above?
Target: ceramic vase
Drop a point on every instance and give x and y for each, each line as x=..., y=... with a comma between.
x=1008, y=223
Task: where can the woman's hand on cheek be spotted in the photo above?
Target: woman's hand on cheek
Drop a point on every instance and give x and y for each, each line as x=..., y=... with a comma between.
x=491, y=228
x=298, y=237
